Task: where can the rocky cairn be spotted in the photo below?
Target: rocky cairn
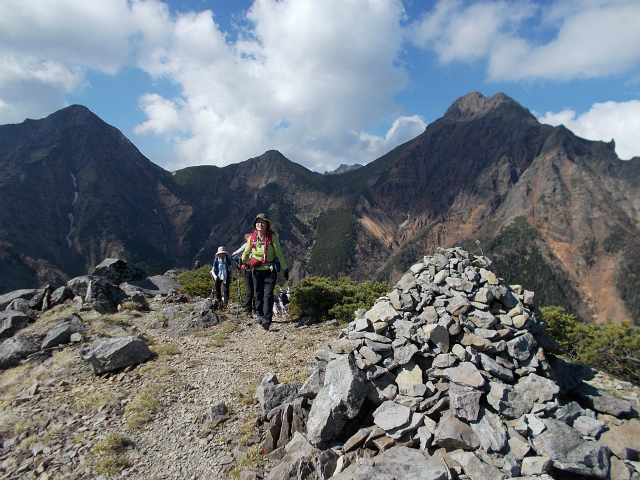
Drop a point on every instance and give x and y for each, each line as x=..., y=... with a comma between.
x=450, y=375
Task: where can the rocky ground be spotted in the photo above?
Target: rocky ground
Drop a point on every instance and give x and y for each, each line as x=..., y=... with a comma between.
x=187, y=414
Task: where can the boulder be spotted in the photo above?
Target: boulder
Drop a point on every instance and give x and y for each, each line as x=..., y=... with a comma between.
x=570, y=453
x=118, y=271
x=151, y=286
x=61, y=332
x=17, y=348
x=108, y=354
x=339, y=400
x=11, y=321
x=26, y=294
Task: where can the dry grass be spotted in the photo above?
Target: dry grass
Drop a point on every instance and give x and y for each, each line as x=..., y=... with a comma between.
x=252, y=460
x=141, y=408
x=165, y=350
x=109, y=452
x=94, y=400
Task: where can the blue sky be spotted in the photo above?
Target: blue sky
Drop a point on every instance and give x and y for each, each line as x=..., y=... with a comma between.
x=325, y=82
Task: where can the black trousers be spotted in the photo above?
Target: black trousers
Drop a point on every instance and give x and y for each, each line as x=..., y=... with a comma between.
x=225, y=291
x=264, y=281
x=248, y=287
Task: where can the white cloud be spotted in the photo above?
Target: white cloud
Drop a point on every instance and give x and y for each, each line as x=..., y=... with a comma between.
x=587, y=39
x=402, y=130
x=47, y=46
x=604, y=121
x=30, y=87
x=303, y=74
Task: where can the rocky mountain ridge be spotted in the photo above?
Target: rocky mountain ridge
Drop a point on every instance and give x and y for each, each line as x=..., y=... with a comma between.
x=547, y=205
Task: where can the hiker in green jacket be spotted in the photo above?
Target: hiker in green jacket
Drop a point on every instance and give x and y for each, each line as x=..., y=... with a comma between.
x=263, y=255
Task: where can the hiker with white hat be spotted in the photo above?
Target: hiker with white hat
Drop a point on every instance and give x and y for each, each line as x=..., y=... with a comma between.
x=222, y=272
x=262, y=253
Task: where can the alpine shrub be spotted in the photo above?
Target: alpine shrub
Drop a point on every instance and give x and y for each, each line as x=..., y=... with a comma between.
x=322, y=298
x=611, y=347
x=197, y=282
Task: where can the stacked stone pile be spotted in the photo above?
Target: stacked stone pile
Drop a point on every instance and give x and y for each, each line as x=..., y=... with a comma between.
x=449, y=375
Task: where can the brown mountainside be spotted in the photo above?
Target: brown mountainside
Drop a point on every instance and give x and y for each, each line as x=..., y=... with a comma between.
x=556, y=212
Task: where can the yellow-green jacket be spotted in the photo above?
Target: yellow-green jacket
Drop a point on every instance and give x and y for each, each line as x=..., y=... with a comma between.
x=257, y=251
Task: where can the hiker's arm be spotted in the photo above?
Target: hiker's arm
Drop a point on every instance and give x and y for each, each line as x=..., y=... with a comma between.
x=247, y=251
x=276, y=247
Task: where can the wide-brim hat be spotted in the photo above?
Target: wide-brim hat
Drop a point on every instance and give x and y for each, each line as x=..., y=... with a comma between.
x=261, y=216
x=222, y=250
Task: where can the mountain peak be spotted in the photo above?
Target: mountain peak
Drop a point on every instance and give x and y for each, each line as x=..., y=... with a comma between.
x=474, y=105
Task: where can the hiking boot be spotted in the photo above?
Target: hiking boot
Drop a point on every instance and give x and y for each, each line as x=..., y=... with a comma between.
x=266, y=324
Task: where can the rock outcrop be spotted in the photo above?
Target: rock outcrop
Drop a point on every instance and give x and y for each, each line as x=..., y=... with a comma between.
x=97, y=291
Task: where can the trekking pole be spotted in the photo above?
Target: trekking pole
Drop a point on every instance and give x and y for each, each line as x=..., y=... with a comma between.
x=238, y=270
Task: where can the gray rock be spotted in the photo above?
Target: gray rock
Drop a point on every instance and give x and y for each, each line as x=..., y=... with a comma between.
x=17, y=348
x=403, y=355
x=569, y=452
x=312, y=385
x=453, y=433
x=589, y=427
x=102, y=294
x=535, y=465
x=271, y=394
x=475, y=468
x=464, y=401
x=601, y=401
x=338, y=401
x=391, y=415
x=401, y=301
x=25, y=293
x=569, y=412
x=151, y=286
x=11, y=321
x=568, y=375
x=345, y=346
x=108, y=354
x=623, y=440
x=508, y=401
x=538, y=388
x=521, y=347
x=465, y=373
x=60, y=295
x=399, y=463
x=118, y=271
x=491, y=431
x=298, y=461
x=481, y=319
x=382, y=388
x=409, y=380
x=438, y=335
x=458, y=305
x=496, y=370
x=61, y=332
x=382, y=312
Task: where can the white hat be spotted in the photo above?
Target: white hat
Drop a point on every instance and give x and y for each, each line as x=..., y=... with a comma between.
x=221, y=250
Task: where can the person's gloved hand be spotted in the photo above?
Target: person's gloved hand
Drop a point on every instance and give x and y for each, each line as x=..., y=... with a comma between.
x=286, y=273
x=235, y=258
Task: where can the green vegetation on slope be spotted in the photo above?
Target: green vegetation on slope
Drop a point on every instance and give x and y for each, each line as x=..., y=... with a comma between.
x=323, y=298
x=613, y=348
x=518, y=259
x=628, y=277
x=333, y=252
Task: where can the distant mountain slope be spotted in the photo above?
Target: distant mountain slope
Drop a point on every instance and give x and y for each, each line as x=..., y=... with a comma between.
x=74, y=190
x=556, y=212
